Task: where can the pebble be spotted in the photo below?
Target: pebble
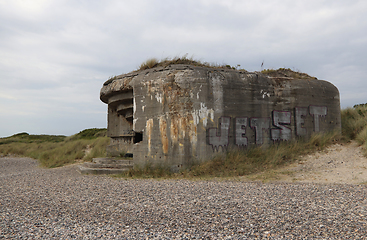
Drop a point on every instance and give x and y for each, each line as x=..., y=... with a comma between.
x=38, y=203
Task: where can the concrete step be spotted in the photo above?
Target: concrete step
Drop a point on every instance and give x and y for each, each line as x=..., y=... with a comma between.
x=106, y=166
x=112, y=160
x=99, y=171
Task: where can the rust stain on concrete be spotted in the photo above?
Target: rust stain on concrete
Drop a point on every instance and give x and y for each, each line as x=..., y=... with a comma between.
x=174, y=129
x=163, y=131
x=149, y=133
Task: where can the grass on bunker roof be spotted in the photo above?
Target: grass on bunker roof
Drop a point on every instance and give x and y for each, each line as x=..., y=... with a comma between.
x=277, y=73
x=286, y=73
x=154, y=62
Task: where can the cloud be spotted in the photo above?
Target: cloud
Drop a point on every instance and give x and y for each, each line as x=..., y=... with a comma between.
x=55, y=55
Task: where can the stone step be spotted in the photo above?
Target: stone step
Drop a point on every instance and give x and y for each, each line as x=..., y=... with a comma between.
x=104, y=165
x=99, y=171
x=111, y=160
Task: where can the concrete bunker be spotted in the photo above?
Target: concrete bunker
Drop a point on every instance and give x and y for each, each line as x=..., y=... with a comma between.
x=179, y=113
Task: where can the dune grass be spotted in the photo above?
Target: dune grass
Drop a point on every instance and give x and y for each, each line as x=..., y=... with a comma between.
x=354, y=125
x=244, y=162
x=258, y=159
x=55, y=151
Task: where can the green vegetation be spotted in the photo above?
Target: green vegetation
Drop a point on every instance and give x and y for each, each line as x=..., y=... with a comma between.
x=286, y=73
x=354, y=125
x=153, y=62
x=240, y=163
x=55, y=151
x=91, y=133
x=278, y=73
x=258, y=159
x=26, y=138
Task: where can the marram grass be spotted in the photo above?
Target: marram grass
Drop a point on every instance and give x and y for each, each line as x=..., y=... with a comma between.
x=354, y=125
x=56, y=151
x=242, y=162
x=258, y=159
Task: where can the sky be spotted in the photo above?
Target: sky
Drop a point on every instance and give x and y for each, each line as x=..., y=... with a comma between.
x=55, y=55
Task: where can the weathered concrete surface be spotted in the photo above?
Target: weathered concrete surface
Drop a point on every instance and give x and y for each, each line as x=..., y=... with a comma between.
x=105, y=166
x=181, y=113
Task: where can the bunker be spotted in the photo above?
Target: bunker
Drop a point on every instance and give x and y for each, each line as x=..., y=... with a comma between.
x=177, y=114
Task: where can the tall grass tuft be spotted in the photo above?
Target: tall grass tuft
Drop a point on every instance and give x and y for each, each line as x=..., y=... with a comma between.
x=354, y=125
x=153, y=62
x=242, y=162
x=257, y=159
x=148, y=171
x=150, y=63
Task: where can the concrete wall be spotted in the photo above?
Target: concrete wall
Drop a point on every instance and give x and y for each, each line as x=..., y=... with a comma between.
x=183, y=113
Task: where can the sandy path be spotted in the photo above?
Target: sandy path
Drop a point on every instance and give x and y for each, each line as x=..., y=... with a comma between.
x=339, y=163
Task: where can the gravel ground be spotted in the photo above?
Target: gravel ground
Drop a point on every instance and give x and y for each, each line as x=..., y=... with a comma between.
x=60, y=203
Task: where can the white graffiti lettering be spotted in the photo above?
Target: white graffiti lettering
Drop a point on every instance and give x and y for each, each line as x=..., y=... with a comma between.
x=281, y=132
x=220, y=138
x=241, y=139
x=259, y=124
x=317, y=112
x=301, y=112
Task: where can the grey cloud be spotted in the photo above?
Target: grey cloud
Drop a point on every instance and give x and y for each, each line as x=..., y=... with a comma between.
x=55, y=55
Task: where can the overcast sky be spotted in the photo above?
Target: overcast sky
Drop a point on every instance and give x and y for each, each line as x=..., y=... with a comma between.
x=56, y=55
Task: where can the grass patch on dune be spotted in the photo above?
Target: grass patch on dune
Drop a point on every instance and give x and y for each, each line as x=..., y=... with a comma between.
x=258, y=159
x=242, y=162
x=149, y=171
x=354, y=125
x=55, y=151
